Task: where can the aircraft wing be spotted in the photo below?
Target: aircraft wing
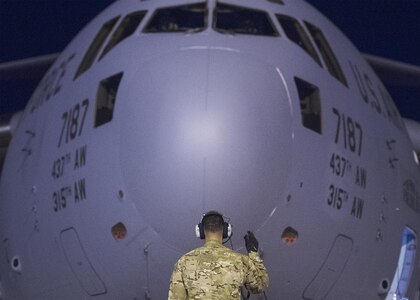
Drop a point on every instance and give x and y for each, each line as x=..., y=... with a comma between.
x=28, y=68
x=8, y=124
x=32, y=68
x=395, y=73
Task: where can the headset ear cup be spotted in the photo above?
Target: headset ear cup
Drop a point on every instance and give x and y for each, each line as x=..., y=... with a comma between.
x=227, y=230
x=199, y=231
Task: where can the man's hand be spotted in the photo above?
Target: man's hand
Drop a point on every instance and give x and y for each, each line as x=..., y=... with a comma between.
x=251, y=242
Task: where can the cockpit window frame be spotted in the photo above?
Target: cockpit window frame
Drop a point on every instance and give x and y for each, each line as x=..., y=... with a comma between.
x=304, y=41
x=95, y=46
x=176, y=30
x=121, y=33
x=328, y=55
x=274, y=33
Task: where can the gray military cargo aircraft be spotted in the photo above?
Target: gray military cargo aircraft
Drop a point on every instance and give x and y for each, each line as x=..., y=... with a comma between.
x=159, y=111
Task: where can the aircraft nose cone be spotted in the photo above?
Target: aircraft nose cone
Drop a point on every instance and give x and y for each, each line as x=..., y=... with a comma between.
x=205, y=129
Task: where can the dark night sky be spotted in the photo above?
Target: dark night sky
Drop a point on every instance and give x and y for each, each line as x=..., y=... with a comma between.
x=388, y=28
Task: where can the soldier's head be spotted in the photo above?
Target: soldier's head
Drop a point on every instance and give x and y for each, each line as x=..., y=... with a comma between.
x=213, y=222
x=213, y=226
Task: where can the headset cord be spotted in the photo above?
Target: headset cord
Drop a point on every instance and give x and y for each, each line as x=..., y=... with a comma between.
x=229, y=239
x=248, y=295
x=243, y=296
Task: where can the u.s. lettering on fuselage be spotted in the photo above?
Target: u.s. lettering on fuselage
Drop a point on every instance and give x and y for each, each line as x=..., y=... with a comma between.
x=52, y=84
x=375, y=96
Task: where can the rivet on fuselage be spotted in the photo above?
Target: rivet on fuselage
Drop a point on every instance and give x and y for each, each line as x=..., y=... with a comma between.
x=383, y=287
x=120, y=195
x=16, y=264
x=379, y=236
x=381, y=217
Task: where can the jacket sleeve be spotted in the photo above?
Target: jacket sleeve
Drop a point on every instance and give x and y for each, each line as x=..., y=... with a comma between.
x=177, y=289
x=256, y=276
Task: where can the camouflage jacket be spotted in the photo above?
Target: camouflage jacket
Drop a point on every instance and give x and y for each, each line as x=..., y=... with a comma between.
x=214, y=271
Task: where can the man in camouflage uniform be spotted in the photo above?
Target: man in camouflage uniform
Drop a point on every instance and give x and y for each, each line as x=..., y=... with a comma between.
x=214, y=271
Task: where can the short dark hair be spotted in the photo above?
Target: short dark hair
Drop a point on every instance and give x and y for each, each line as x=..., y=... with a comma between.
x=213, y=222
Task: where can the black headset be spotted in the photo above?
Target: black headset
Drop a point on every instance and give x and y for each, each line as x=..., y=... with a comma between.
x=199, y=228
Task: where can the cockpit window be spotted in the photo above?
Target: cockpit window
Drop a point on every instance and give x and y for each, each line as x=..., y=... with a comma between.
x=310, y=105
x=295, y=32
x=126, y=28
x=185, y=18
x=95, y=46
x=327, y=53
x=233, y=19
x=105, y=99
